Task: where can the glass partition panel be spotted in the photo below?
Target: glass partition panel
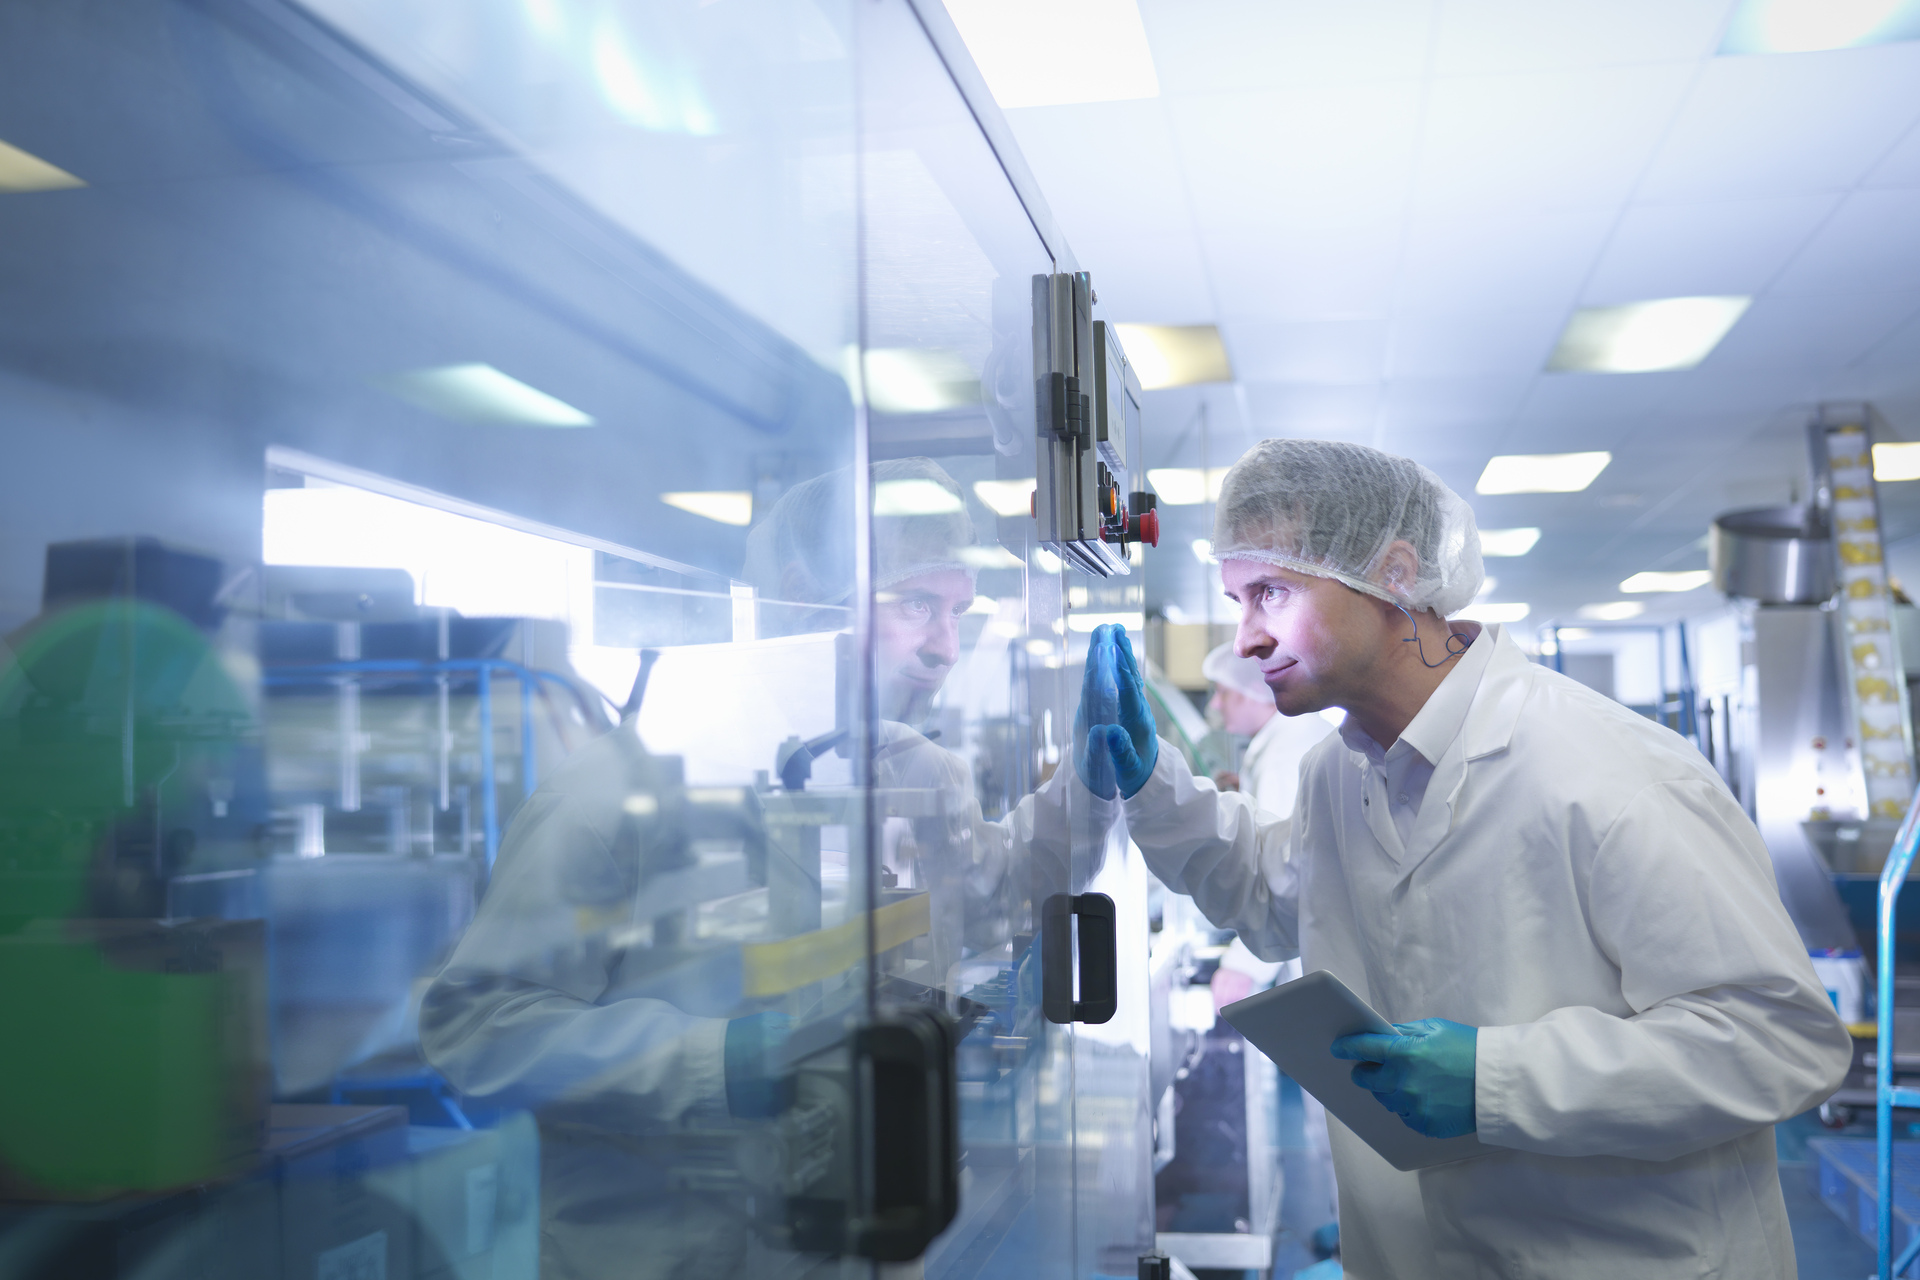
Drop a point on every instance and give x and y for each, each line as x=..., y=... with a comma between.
x=976, y=654
x=406, y=866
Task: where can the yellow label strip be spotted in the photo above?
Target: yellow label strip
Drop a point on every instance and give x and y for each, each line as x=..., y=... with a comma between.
x=775, y=968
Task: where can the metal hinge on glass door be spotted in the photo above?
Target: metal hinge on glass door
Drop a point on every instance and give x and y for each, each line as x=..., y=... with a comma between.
x=1089, y=413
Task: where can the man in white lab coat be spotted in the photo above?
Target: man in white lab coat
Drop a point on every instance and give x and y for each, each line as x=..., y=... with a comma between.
x=1563, y=893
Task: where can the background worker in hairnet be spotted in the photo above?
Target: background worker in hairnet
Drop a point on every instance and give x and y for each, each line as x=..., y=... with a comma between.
x=1269, y=776
x=1557, y=901
x=541, y=1004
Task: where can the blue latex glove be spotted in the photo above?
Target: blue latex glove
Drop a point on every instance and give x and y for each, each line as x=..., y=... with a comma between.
x=1115, y=741
x=756, y=1088
x=1424, y=1075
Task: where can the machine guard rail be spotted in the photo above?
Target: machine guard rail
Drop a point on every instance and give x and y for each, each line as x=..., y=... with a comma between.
x=1893, y=876
x=482, y=670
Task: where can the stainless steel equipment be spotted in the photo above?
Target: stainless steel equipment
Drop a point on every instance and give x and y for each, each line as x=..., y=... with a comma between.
x=1772, y=555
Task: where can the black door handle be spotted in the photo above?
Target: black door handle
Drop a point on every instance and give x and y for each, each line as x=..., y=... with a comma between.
x=1099, y=958
x=910, y=1131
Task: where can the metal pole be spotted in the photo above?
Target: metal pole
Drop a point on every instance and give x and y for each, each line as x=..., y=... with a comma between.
x=530, y=777
x=489, y=802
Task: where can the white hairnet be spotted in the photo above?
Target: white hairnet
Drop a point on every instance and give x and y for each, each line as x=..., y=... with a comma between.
x=1333, y=510
x=1231, y=671
x=803, y=550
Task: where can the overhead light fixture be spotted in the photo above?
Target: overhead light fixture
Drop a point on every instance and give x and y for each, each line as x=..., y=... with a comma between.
x=1808, y=26
x=1541, y=472
x=1017, y=46
x=728, y=506
x=1507, y=542
x=1574, y=633
x=1203, y=550
x=1614, y=611
x=1644, y=337
x=1005, y=497
x=1186, y=486
x=1682, y=580
x=480, y=393
x=1489, y=612
x=993, y=556
x=1896, y=460
x=1488, y=586
x=21, y=172
x=1175, y=355
x=917, y=497
x=903, y=380
x=983, y=604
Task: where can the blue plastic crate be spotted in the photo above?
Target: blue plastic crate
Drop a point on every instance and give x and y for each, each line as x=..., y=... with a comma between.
x=1849, y=1188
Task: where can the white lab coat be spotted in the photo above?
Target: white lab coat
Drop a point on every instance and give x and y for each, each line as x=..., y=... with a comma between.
x=1581, y=887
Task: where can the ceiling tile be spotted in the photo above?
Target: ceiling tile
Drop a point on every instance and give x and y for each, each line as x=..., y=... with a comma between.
x=1507, y=35
x=1298, y=158
x=1787, y=124
x=1593, y=398
x=1706, y=248
x=1311, y=412
x=1113, y=180
x=1544, y=140
x=1435, y=419
x=1501, y=258
x=1818, y=335
x=1210, y=46
x=1465, y=344
x=1308, y=351
x=1872, y=244
x=1339, y=273
x=1901, y=166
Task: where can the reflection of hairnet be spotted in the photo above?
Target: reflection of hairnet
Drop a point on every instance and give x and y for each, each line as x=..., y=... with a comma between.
x=1242, y=675
x=803, y=551
x=1332, y=510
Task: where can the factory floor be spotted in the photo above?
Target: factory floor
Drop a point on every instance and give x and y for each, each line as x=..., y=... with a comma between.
x=1825, y=1247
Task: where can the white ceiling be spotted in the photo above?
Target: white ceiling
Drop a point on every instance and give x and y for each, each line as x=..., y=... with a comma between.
x=1391, y=207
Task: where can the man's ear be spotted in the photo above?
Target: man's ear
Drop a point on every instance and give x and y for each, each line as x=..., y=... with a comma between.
x=1399, y=568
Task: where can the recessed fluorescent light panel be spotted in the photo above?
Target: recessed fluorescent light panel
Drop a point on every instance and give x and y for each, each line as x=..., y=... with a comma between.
x=1541, y=473
x=1186, y=486
x=480, y=393
x=914, y=498
x=1502, y=613
x=1005, y=497
x=1175, y=355
x=1896, y=460
x=728, y=506
x=1507, y=542
x=905, y=380
x=1058, y=52
x=1614, y=611
x=1807, y=26
x=1203, y=550
x=1682, y=580
x=21, y=172
x=1645, y=337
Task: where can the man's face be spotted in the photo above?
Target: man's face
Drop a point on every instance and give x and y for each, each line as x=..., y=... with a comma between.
x=917, y=639
x=1319, y=642
x=1240, y=714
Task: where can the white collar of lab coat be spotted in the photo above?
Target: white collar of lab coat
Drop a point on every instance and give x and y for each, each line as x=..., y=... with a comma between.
x=1443, y=716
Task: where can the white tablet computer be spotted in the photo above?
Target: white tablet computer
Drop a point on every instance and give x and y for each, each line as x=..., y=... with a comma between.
x=1296, y=1022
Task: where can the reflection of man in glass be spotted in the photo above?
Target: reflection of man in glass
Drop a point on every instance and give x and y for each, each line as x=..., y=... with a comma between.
x=564, y=996
x=800, y=559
